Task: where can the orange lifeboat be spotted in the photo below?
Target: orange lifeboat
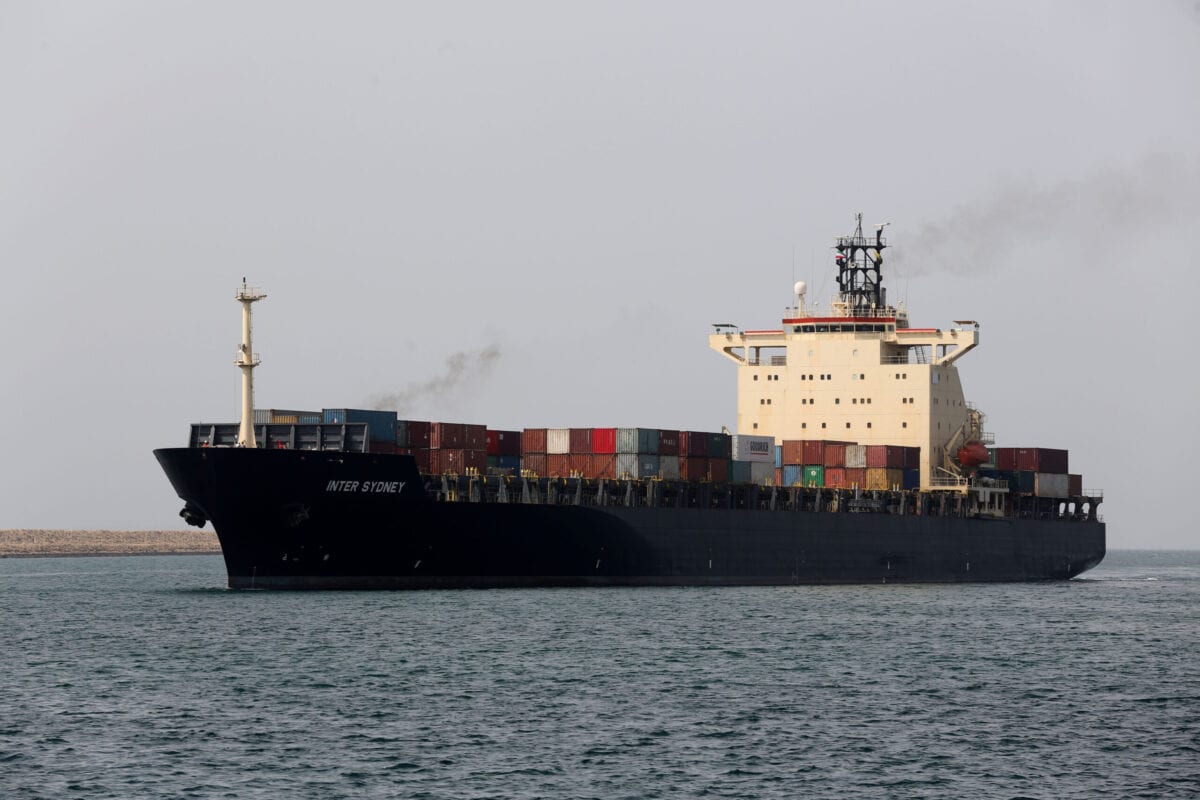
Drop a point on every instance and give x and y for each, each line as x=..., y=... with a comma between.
x=972, y=454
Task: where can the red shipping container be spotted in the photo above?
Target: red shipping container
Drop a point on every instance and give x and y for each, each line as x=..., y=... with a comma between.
x=581, y=441
x=668, y=443
x=534, y=462
x=604, y=440
x=603, y=465
x=835, y=456
x=779, y=476
x=380, y=447
x=1075, y=485
x=1006, y=458
x=1042, y=459
x=475, y=437
x=718, y=470
x=457, y=460
x=503, y=443
x=447, y=435
x=835, y=477
x=558, y=465
x=418, y=434
x=814, y=451
x=693, y=468
x=856, y=477
x=581, y=464
x=885, y=456
x=533, y=441
x=793, y=452
x=693, y=443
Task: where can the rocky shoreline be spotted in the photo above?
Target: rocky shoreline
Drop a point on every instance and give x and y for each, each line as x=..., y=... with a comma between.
x=34, y=543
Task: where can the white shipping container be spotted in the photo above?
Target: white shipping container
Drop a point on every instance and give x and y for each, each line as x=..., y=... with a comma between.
x=762, y=472
x=558, y=441
x=638, y=465
x=1046, y=484
x=668, y=468
x=856, y=456
x=754, y=448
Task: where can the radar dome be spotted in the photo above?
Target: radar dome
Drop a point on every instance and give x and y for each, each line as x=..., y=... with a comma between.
x=801, y=287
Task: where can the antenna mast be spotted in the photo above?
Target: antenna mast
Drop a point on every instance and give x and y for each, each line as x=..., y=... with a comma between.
x=247, y=360
x=860, y=263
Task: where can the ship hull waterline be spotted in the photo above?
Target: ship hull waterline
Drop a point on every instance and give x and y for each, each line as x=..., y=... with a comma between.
x=292, y=519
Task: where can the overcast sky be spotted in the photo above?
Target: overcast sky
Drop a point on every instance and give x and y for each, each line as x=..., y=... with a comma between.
x=565, y=195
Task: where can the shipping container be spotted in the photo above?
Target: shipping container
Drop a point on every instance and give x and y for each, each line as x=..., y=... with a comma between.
x=581, y=441
x=447, y=435
x=792, y=453
x=533, y=441
x=856, y=456
x=1019, y=480
x=754, y=448
x=693, y=468
x=558, y=465
x=457, y=461
x=1051, y=484
x=793, y=475
x=1075, y=485
x=637, y=440
x=413, y=433
x=475, y=437
x=912, y=457
x=720, y=445
x=534, y=463
x=421, y=456
x=1006, y=458
x=558, y=441
x=739, y=471
x=814, y=450
x=835, y=456
x=693, y=443
x=636, y=465
x=835, y=477
x=1042, y=459
x=668, y=443
x=604, y=440
x=718, y=468
x=603, y=465
x=668, y=466
x=885, y=456
x=912, y=478
x=762, y=473
x=381, y=447
x=778, y=458
x=505, y=465
x=856, y=476
x=581, y=465
x=503, y=443
x=883, y=478
x=814, y=475
x=381, y=425
x=779, y=477
x=278, y=416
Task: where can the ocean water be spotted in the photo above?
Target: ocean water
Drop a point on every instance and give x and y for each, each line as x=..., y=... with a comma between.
x=144, y=677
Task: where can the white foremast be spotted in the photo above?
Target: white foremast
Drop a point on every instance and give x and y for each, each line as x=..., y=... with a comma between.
x=247, y=360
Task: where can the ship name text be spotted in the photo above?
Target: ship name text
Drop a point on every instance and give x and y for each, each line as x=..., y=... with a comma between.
x=366, y=487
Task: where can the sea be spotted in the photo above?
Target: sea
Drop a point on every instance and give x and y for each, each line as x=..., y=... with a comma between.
x=143, y=677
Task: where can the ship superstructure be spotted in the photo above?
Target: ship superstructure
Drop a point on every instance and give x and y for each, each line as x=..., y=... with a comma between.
x=858, y=372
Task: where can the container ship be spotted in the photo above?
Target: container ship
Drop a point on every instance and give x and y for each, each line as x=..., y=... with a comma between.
x=856, y=460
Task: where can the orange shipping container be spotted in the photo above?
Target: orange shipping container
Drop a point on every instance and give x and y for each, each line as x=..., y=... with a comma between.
x=533, y=441
x=603, y=465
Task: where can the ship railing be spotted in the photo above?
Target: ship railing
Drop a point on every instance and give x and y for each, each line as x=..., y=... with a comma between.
x=773, y=361
x=947, y=483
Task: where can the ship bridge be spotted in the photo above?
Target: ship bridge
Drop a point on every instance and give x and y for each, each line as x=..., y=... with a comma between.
x=856, y=372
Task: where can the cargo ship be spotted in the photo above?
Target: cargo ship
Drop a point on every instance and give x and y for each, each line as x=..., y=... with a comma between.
x=856, y=460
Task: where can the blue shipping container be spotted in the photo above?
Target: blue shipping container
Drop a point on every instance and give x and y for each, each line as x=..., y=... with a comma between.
x=912, y=479
x=793, y=475
x=778, y=456
x=380, y=424
x=739, y=471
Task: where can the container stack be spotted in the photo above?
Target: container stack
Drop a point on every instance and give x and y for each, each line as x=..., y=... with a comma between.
x=846, y=465
x=504, y=452
x=1040, y=471
x=635, y=453
x=278, y=416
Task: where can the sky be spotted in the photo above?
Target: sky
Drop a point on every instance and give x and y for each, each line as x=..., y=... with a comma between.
x=528, y=214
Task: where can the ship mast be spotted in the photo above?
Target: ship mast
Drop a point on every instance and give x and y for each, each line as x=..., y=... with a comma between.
x=246, y=361
x=860, y=278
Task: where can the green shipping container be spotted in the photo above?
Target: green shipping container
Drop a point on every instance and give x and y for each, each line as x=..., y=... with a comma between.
x=814, y=476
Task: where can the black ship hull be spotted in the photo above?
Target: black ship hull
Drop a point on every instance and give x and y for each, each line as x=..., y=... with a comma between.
x=291, y=519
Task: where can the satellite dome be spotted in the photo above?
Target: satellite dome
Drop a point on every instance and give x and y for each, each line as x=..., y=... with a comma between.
x=801, y=287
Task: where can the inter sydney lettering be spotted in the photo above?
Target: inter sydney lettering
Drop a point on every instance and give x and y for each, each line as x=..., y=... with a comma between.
x=366, y=487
